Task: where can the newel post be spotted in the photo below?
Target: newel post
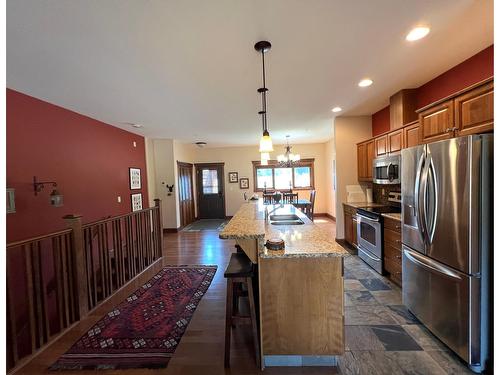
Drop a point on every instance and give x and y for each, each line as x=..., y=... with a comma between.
x=74, y=222
x=159, y=227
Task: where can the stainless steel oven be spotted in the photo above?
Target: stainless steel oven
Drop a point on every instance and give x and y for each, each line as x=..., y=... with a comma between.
x=386, y=170
x=370, y=241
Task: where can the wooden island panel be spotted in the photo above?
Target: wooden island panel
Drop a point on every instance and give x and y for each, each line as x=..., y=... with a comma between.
x=250, y=247
x=302, y=306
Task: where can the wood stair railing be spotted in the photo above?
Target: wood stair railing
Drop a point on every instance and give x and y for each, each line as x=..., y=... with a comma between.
x=60, y=277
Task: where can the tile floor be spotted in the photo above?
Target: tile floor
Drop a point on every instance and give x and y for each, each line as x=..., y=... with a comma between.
x=382, y=336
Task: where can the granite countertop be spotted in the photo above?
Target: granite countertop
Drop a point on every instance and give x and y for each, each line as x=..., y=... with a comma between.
x=395, y=216
x=363, y=204
x=301, y=241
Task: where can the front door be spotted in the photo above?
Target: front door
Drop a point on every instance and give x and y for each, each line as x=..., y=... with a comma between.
x=210, y=188
x=186, y=196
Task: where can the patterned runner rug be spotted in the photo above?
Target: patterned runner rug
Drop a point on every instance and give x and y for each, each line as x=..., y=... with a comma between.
x=144, y=330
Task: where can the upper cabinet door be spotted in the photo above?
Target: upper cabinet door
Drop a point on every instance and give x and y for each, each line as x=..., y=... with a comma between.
x=362, y=166
x=436, y=123
x=381, y=145
x=411, y=135
x=474, y=111
x=370, y=155
x=395, y=140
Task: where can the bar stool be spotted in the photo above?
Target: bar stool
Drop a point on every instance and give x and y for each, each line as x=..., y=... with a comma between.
x=239, y=274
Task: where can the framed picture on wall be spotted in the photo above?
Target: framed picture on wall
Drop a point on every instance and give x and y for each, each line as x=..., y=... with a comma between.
x=136, y=200
x=135, y=178
x=233, y=177
x=244, y=183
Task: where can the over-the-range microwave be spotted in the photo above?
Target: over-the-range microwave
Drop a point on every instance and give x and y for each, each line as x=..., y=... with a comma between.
x=387, y=170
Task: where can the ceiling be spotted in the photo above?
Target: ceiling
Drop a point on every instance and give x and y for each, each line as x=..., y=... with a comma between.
x=187, y=69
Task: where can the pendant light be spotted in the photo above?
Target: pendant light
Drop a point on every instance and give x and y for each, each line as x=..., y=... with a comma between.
x=266, y=144
x=288, y=159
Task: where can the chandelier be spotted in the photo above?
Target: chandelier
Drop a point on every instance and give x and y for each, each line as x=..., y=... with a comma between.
x=288, y=159
x=266, y=144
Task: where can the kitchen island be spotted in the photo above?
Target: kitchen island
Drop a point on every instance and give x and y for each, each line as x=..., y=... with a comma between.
x=301, y=288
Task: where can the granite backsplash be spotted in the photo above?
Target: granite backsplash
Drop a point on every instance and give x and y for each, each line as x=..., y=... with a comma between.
x=381, y=193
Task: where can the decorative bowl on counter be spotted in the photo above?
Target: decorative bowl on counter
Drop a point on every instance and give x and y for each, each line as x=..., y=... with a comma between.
x=275, y=244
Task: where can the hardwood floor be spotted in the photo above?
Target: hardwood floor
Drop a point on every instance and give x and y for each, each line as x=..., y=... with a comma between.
x=201, y=350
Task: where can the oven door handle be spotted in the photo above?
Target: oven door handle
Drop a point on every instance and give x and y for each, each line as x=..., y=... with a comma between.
x=367, y=253
x=362, y=217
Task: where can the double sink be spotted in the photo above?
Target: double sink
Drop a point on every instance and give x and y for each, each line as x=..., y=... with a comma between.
x=288, y=219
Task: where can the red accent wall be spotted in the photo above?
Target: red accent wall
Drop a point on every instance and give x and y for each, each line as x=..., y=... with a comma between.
x=88, y=158
x=381, y=121
x=475, y=69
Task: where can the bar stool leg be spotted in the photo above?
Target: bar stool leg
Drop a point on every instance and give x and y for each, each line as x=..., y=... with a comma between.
x=254, y=320
x=229, y=315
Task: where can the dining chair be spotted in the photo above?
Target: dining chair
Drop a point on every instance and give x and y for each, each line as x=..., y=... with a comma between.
x=310, y=210
x=291, y=198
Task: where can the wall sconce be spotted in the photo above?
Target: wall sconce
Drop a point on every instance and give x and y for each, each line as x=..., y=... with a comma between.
x=56, y=198
x=170, y=188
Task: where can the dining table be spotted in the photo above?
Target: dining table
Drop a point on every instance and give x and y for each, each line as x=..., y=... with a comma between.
x=303, y=204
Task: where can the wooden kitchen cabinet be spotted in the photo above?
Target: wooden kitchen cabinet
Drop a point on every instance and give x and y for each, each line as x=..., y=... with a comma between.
x=410, y=135
x=350, y=225
x=381, y=145
x=366, y=154
x=403, y=105
x=362, y=168
x=436, y=122
x=392, y=249
x=395, y=141
x=370, y=155
x=474, y=111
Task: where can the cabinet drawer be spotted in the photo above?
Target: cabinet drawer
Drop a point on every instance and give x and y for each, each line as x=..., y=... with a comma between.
x=394, y=225
x=391, y=253
x=392, y=238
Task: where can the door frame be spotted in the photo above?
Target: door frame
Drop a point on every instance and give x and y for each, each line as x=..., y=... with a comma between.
x=198, y=167
x=188, y=165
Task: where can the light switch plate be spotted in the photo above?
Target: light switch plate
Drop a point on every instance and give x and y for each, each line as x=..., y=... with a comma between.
x=119, y=199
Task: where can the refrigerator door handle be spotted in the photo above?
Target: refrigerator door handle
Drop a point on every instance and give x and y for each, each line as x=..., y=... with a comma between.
x=422, y=201
x=434, y=192
x=430, y=264
x=416, y=194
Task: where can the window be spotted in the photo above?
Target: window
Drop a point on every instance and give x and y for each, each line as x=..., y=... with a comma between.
x=273, y=177
x=264, y=178
x=283, y=178
x=210, y=181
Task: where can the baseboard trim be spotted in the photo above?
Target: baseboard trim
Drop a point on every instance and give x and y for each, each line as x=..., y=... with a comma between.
x=325, y=214
x=171, y=230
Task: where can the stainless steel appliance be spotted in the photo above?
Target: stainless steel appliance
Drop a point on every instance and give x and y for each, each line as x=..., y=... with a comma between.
x=386, y=170
x=369, y=232
x=447, y=236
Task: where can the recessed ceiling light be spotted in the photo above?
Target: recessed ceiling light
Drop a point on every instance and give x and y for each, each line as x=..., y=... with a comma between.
x=137, y=125
x=365, y=82
x=336, y=109
x=417, y=33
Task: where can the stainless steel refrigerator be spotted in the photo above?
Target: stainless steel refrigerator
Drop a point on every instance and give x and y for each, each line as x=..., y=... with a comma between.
x=447, y=189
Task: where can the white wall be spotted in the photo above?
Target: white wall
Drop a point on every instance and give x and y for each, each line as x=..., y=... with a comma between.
x=330, y=158
x=239, y=159
x=162, y=156
x=347, y=132
x=160, y=166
